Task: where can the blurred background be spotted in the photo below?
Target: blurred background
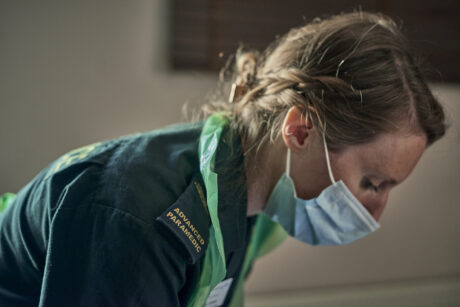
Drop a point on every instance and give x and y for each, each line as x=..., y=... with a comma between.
x=78, y=72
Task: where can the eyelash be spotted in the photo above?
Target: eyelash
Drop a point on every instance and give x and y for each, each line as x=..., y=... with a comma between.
x=368, y=185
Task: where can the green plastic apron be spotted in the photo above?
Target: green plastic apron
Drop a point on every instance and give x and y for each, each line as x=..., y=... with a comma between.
x=265, y=237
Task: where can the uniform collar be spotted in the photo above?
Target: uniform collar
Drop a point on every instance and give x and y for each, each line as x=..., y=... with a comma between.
x=232, y=192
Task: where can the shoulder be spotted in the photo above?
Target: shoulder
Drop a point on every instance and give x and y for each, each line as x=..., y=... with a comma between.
x=152, y=176
x=151, y=162
x=148, y=172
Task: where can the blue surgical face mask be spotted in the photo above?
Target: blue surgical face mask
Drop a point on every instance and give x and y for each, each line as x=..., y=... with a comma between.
x=335, y=217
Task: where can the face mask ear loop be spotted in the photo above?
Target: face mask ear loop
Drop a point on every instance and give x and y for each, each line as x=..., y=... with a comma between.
x=327, y=156
x=288, y=163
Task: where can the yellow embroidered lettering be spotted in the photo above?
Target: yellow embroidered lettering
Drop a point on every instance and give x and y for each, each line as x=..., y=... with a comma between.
x=183, y=223
x=76, y=154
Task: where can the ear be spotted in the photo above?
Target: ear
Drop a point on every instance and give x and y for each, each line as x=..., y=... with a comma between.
x=296, y=129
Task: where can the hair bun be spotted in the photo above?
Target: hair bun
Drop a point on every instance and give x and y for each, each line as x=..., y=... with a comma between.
x=246, y=66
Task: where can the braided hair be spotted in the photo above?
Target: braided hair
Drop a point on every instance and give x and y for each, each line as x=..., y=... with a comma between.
x=355, y=72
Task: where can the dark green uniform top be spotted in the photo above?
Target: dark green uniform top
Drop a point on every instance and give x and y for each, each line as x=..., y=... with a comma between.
x=122, y=223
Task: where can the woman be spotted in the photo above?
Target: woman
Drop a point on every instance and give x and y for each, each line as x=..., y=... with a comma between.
x=319, y=128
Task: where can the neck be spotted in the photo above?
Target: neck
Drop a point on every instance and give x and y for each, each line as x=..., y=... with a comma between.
x=262, y=173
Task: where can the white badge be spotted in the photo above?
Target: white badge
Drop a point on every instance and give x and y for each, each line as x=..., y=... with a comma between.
x=219, y=293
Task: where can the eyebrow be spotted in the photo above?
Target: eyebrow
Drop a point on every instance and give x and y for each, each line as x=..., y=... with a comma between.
x=384, y=177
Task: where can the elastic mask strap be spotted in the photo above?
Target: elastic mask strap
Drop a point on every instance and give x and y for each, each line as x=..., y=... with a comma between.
x=327, y=157
x=288, y=163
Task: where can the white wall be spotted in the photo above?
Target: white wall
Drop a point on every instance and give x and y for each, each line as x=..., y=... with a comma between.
x=76, y=72
x=73, y=72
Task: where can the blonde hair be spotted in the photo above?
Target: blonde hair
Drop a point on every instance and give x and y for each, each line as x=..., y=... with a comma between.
x=356, y=72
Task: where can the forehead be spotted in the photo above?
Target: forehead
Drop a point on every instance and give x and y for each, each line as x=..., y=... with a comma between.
x=392, y=155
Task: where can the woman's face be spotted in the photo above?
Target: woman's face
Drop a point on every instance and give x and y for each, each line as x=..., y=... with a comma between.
x=369, y=170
